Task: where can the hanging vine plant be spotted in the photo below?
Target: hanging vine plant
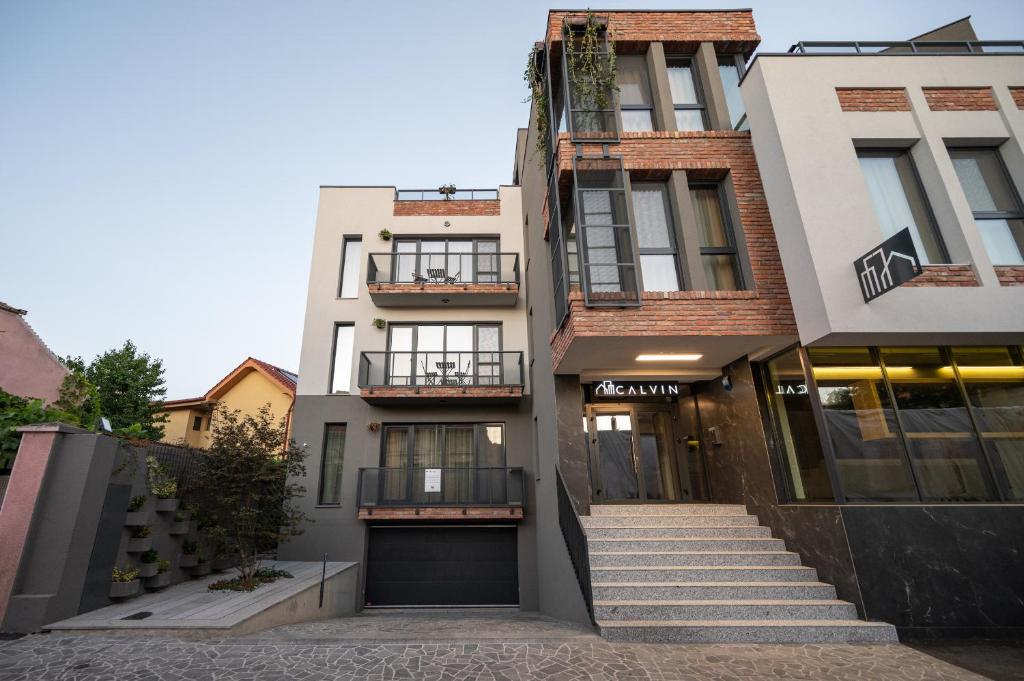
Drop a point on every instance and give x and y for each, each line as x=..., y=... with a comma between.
x=591, y=69
x=534, y=77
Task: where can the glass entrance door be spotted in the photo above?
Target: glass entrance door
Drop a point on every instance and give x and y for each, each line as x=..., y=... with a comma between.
x=633, y=453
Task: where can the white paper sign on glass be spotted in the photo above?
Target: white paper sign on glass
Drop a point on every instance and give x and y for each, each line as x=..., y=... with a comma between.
x=432, y=480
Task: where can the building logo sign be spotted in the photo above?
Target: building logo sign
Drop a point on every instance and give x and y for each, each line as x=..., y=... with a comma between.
x=797, y=389
x=890, y=264
x=621, y=389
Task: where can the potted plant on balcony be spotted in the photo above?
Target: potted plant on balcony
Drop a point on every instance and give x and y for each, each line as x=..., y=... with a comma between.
x=384, y=234
x=147, y=563
x=189, y=557
x=380, y=323
x=202, y=566
x=140, y=540
x=182, y=523
x=136, y=516
x=124, y=582
x=447, y=190
x=162, y=577
x=162, y=485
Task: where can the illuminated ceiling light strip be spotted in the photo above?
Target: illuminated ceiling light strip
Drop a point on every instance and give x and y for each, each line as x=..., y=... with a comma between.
x=685, y=357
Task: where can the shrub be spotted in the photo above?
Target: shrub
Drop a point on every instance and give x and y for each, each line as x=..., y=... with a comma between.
x=189, y=547
x=141, y=532
x=150, y=556
x=125, y=574
x=137, y=503
x=163, y=565
x=160, y=482
x=260, y=576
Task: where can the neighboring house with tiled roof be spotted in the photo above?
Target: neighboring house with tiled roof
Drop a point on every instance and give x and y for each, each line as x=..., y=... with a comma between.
x=246, y=388
x=27, y=367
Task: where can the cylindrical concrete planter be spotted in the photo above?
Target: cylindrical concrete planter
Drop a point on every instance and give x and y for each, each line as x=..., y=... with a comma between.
x=167, y=505
x=188, y=560
x=201, y=569
x=136, y=518
x=124, y=589
x=181, y=527
x=147, y=569
x=159, y=581
x=222, y=563
x=138, y=545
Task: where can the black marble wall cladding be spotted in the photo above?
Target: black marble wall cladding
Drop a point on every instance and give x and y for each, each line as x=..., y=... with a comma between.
x=572, y=453
x=940, y=570
x=740, y=472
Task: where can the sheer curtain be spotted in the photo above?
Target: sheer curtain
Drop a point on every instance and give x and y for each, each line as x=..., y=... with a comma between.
x=334, y=451
x=890, y=200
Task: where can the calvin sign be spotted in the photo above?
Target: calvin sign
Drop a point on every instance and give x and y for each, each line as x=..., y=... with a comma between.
x=890, y=264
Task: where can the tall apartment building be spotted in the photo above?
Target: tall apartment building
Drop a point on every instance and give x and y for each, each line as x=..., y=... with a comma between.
x=641, y=387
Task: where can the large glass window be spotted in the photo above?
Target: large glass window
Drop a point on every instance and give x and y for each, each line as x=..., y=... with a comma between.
x=900, y=202
x=452, y=260
x=717, y=241
x=635, y=102
x=341, y=371
x=686, y=96
x=730, y=70
x=445, y=354
x=655, y=236
x=331, y=463
x=352, y=254
x=994, y=201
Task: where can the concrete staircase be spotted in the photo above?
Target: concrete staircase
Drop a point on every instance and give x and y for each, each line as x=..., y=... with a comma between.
x=709, y=573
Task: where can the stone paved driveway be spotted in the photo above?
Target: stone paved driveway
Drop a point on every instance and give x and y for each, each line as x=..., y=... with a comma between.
x=449, y=646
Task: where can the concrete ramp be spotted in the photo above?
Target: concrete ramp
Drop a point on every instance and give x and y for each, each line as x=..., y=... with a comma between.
x=190, y=610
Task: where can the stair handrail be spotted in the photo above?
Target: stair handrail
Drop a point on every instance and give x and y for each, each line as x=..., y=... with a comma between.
x=575, y=543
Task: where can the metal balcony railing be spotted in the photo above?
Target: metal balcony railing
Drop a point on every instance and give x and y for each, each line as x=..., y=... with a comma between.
x=429, y=368
x=443, y=268
x=404, y=487
x=436, y=195
x=930, y=47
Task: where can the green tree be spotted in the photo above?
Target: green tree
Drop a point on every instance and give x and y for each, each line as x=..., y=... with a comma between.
x=18, y=411
x=128, y=387
x=244, y=496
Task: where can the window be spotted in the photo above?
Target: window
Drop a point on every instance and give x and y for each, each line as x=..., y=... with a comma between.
x=994, y=201
x=197, y=423
x=717, y=241
x=900, y=202
x=655, y=237
x=464, y=260
x=635, y=101
x=351, y=255
x=341, y=371
x=446, y=354
x=730, y=70
x=331, y=464
x=686, y=97
x=209, y=422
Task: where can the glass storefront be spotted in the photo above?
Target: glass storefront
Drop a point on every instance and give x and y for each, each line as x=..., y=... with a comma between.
x=932, y=424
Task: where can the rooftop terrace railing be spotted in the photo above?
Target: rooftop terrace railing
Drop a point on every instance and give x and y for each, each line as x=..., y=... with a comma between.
x=929, y=47
x=437, y=195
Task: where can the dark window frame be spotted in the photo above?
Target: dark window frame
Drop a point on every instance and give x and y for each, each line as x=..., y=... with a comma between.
x=334, y=358
x=701, y=103
x=476, y=351
x=345, y=241
x=733, y=248
x=197, y=423
x=475, y=253
x=323, y=464
x=479, y=431
x=639, y=107
x=673, y=248
x=741, y=69
x=1014, y=191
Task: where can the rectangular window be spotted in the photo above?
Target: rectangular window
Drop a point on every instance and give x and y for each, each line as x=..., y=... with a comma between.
x=655, y=236
x=686, y=96
x=450, y=260
x=717, y=242
x=351, y=255
x=331, y=465
x=899, y=201
x=446, y=354
x=730, y=70
x=209, y=422
x=635, y=102
x=341, y=370
x=994, y=201
x=197, y=423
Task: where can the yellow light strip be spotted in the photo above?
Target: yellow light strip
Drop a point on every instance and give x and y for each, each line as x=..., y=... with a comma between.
x=686, y=357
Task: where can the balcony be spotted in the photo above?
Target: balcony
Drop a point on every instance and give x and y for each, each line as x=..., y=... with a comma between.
x=439, y=279
x=441, y=493
x=426, y=377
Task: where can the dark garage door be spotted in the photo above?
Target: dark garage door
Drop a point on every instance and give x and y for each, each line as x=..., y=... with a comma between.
x=442, y=566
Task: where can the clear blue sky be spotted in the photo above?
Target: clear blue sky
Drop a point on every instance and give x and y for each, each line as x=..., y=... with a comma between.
x=159, y=161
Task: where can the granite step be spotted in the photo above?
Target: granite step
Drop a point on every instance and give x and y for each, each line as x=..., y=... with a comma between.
x=614, y=556
x=704, y=573
x=666, y=509
x=711, y=591
x=670, y=542
x=755, y=532
x=755, y=609
x=749, y=631
x=689, y=520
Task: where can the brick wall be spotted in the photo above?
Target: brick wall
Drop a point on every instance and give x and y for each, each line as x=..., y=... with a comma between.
x=730, y=30
x=960, y=99
x=448, y=208
x=1018, y=96
x=1010, y=275
x=763, y=311
x=945, y=275
x=873, y=99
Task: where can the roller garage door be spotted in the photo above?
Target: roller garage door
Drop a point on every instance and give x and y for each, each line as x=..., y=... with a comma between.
x=442, y=565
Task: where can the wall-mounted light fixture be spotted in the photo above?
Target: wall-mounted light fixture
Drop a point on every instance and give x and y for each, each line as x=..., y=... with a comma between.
x=684, y=357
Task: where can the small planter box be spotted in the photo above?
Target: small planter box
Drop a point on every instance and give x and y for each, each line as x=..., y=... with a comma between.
x=159, y=581
x=181, y=527
x=201, y=569
x=140, y=545
x=147, y=569
x=136, y=518
x=167, y=505
x=124, y=589
x=223, y=563
x=186, y=560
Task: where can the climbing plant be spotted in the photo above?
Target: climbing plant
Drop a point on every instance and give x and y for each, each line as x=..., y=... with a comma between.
x=534, y=77
x=591, y=69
